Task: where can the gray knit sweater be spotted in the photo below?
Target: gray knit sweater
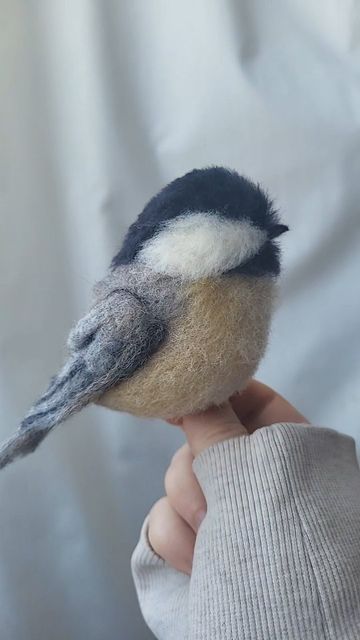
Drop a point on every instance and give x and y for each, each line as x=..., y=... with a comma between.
x=278, y=554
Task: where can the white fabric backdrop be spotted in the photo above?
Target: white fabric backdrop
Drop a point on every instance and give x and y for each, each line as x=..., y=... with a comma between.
x=101, y=104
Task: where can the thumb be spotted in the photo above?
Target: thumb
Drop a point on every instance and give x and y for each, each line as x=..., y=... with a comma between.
x=212, y=426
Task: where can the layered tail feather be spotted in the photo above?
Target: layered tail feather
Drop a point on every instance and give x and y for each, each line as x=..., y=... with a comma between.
x=20, y=444
x=67, y=393
x=108, y=345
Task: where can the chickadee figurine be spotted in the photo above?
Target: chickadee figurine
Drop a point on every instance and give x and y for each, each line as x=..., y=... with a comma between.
x=181, y=320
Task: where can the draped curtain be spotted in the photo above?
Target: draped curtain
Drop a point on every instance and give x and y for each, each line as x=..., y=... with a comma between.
x=102, y=103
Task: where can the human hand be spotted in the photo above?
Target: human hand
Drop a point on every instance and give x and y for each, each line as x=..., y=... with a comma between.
x=175, y=518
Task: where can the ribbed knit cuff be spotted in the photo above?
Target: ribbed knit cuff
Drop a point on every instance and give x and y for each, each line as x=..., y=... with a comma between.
x=281, y=539
x=162, y=591
x=278, y=553
x=144, y=554
x=282, y=446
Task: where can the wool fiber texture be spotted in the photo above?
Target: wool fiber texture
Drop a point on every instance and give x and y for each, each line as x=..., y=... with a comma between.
x=116, y=337
x=213, y=246
x=181, y=319
x=211, y=350
x=218, y=189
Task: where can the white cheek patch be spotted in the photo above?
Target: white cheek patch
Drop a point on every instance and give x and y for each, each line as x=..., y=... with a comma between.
x=198, y=245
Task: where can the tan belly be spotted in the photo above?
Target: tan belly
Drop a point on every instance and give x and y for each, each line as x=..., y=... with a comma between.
x=209, y=354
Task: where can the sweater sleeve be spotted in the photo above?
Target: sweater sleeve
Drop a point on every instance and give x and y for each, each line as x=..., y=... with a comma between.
x=278, y=553
x=162, y=591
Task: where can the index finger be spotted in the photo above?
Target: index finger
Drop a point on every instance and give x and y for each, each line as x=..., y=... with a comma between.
x=259, y=406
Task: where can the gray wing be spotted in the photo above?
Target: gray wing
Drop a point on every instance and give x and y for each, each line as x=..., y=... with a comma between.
x=108, y=345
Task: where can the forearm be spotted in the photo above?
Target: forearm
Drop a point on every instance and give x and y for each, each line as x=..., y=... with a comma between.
x=278, y=554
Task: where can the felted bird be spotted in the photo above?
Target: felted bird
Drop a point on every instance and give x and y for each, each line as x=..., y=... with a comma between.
x=181, y=320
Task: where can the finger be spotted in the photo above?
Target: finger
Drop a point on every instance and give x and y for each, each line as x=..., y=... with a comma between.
x=177, y=422
x=171, y=537
x=183, y=490
x=212, y=426
x=259, y=406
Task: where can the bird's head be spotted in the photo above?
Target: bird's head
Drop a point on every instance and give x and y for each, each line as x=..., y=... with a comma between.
x=208, y=222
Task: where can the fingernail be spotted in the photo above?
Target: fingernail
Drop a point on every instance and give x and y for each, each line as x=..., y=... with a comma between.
x=199, y=518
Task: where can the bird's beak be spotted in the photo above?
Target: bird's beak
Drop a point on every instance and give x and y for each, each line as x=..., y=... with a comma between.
x=277, y=230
